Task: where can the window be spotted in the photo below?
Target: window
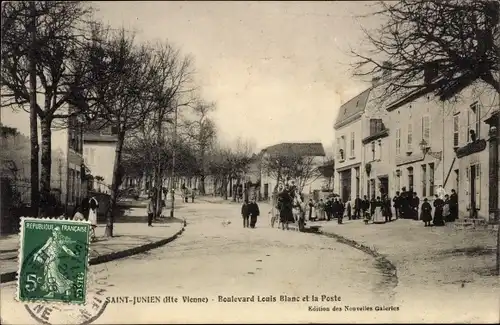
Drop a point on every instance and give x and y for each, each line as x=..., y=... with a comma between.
x=456, y=130
x=410, y=179
x=352, y=144
x=338, y=148
x=410, y=138
x=426, y=129
x=424, y=180
x=398, y=141
x=474, y=120
x=431, y=179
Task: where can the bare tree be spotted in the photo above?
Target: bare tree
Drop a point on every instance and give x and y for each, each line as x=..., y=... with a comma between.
x=302, y=169
x=433, y=46
x=200, y=131
x=53, y=59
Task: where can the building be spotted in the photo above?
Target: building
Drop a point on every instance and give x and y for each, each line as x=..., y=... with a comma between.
x=470, y=174
x=99, y=148
x=68, y=170
x=348, y=146
x=439, y=143
x=278, y=160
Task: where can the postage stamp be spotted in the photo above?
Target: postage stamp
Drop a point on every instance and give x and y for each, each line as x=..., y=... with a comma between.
x=53, y=261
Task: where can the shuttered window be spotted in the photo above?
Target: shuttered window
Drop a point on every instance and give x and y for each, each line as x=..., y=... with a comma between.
x=410, y=137
x=456, y=130
x=398, y=141
x=426, y=129
x=478, y=186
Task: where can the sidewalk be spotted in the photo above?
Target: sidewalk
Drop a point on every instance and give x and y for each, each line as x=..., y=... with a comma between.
x=130, y=238
x=433, y=256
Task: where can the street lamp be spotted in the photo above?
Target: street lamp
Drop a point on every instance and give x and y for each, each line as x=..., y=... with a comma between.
x=172, y=182
x=424, y=146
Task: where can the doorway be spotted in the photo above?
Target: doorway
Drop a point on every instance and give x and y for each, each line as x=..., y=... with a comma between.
x=472, y=194
x=345, y=185
x=384, y=185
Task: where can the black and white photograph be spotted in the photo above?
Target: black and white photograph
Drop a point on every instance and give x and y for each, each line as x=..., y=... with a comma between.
x=250, y=162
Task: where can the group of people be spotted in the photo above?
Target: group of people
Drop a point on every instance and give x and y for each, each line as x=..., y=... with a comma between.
x=250, y=211
x=444, y=210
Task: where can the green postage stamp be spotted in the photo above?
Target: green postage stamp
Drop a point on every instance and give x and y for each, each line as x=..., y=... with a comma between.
x=53, y=260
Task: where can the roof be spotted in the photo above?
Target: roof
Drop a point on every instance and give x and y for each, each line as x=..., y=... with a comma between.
x=96, y=137
x=352, y=109
x=312, y=149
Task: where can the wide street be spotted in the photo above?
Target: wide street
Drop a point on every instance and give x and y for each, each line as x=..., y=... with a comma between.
x=213, y=259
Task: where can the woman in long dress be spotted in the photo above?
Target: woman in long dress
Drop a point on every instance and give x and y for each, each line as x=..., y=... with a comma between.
x=93, y=204
x=438, y=212
x=378, y=216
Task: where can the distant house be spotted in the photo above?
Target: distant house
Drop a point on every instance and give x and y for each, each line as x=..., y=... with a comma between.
x=99, y=153
x=314, y=153
x=348, y=147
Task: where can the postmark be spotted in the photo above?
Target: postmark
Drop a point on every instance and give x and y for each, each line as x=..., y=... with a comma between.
x=57, y=313
x=53, y=261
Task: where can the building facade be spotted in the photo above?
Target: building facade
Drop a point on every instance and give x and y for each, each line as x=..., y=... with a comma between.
x=99, y=149
x=349, y=132
x=443, y=144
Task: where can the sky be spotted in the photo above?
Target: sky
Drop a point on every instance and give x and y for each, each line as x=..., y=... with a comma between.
x=277, y=71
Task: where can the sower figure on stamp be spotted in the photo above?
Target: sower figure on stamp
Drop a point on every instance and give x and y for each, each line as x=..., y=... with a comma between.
x=54, y=282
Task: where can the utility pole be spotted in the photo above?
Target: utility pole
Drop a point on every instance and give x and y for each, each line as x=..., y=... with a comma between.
x=172, y=182
x=35, y=194
x=158, y=168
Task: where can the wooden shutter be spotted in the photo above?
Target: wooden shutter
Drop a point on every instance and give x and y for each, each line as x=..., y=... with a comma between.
x=456, y=130
x=467, y=180
x=478, y=186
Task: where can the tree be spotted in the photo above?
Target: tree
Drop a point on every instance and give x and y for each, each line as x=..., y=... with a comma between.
x=201, y=133
x=283, y=167
x=433, y=46
x=52, y=59
x=133, y=83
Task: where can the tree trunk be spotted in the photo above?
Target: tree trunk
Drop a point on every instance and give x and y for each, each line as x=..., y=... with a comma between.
x=202, y=184
x=114, y=185
x=46, y=165
x=35, y=199
x=158, y=190
x=224, y=187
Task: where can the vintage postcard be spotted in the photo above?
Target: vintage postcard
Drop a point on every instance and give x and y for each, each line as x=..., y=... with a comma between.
x=181, y=162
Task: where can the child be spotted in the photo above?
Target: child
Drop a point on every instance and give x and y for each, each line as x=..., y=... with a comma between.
x=425, y=213
x=78, y=215
x=245, y=213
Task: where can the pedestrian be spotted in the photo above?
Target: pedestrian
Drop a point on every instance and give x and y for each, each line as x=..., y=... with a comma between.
x=311, y=207
x=78, y=213
x=397, y=205
x=328, y=208
x=415, y=204
x=453, y=205
x=446, y=209
x=193, y=193
x=348, y=208
x=286, y=206
x=151, y=211
x=93, y=205
x=426, y=213
x=357, y=207
x=254, y=212
x=438, y=212
x=245, y=213
x=378, y=216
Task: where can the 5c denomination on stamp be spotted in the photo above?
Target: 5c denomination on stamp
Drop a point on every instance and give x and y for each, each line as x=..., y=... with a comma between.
x=53, y=261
